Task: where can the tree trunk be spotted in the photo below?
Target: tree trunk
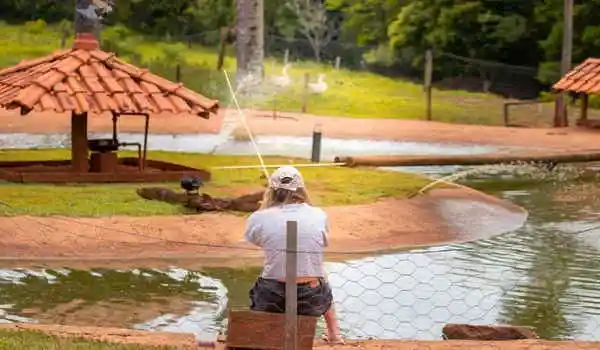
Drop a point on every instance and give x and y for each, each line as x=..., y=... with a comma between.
x=250, y=39
x=317, y=51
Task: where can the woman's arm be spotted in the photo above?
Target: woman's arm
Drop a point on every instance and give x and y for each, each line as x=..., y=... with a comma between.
x=252, y=231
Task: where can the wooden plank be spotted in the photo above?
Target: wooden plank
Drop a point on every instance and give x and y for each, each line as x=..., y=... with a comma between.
x=249, y=329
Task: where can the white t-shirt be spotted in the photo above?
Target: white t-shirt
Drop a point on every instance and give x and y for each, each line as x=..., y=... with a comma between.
x=267, y=229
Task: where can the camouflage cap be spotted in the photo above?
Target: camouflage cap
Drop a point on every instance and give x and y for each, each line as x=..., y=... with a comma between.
x=288, y=178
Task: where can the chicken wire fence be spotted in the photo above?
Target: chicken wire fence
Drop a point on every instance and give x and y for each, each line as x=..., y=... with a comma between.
x=402, y=295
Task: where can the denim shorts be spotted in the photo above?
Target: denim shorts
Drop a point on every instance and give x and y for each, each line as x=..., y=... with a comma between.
x=268, y=295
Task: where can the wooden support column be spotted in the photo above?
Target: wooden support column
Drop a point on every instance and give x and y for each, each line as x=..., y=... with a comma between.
x=584, y=107
x=79, y=146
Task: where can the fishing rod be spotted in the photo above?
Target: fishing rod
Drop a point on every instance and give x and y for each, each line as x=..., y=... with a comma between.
x=242, y=117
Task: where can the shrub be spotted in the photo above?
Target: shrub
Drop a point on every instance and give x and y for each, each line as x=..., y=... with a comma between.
x=117, y=39
x=36, y=27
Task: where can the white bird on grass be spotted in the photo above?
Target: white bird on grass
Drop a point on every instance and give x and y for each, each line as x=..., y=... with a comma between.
x=320, y=86
x=284, y=79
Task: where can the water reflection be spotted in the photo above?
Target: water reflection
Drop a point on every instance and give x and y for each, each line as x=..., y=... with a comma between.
x=176, y=299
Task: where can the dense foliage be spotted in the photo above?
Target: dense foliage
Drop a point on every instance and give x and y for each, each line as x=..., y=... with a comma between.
x=396, y=32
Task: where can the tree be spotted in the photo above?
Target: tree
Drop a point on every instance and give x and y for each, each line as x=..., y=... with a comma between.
x=473, y=29
x=586, y=35
x=250, y=41
x=366, y=21
x=312, y=22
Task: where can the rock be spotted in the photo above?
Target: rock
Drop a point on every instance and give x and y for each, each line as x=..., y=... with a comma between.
x=481, y=332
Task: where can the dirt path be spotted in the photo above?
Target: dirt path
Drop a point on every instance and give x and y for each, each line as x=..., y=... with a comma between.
x=186, y=341
x=218, y=236
x=335, y=127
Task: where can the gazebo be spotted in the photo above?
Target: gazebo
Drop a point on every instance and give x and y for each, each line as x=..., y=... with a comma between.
x=583, y=80
x=86, y=80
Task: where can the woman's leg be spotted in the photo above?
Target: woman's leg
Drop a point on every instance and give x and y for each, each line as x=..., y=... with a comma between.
x=334, y=333
x=318, y=301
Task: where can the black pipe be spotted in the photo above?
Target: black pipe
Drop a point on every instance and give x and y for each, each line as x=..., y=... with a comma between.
x=316, y=146
x=146, y=127
x=114, y=127
x=139, y=147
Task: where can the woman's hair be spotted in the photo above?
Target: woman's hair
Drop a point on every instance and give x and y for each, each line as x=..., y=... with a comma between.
x=274, y=197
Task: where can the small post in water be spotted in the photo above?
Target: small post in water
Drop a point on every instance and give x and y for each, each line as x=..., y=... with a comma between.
x=291, y=291
x=316, y=144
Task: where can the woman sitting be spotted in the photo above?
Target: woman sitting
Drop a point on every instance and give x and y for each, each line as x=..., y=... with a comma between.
x=286, y=199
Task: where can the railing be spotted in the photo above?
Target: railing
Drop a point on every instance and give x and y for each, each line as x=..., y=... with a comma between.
x=507, y=105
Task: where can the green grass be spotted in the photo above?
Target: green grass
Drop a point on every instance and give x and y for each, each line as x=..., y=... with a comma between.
x=31, y=340
x=327, y=185
x=350, y=93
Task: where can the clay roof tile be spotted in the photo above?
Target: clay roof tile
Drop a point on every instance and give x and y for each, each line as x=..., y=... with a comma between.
x=82, y=81
x=584, y=78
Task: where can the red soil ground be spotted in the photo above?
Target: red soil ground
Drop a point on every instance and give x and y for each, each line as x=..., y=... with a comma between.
x=355, y=229
x=185, y=341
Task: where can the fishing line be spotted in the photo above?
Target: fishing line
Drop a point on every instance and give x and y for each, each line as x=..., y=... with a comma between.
x=245, y=124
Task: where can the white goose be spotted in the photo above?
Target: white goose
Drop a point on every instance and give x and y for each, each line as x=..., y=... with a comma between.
x=320, y=86
x=284, y=79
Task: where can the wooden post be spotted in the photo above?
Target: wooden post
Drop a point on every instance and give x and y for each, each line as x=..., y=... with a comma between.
x=338, y=62
x=178, y=72
x=561, y=118
x=427, y=82
x=291, y=287
x=286, y=56
x=305, y=94
x=223, y=35
x=584, y=107
x=505, y=113
x=79, y=146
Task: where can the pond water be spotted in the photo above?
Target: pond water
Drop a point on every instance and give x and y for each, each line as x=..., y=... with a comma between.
x=290, y=146
x=269, y=145
x=545, y=274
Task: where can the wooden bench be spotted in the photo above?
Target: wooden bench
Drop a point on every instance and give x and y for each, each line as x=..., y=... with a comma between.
x=262, y=330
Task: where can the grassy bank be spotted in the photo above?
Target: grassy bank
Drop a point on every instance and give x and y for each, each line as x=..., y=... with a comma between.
x=350, y=93
x=328, y=186
x=30, y=340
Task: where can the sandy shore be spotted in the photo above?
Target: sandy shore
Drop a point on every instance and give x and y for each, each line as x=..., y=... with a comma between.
x=386, y=225
x=262, y=123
